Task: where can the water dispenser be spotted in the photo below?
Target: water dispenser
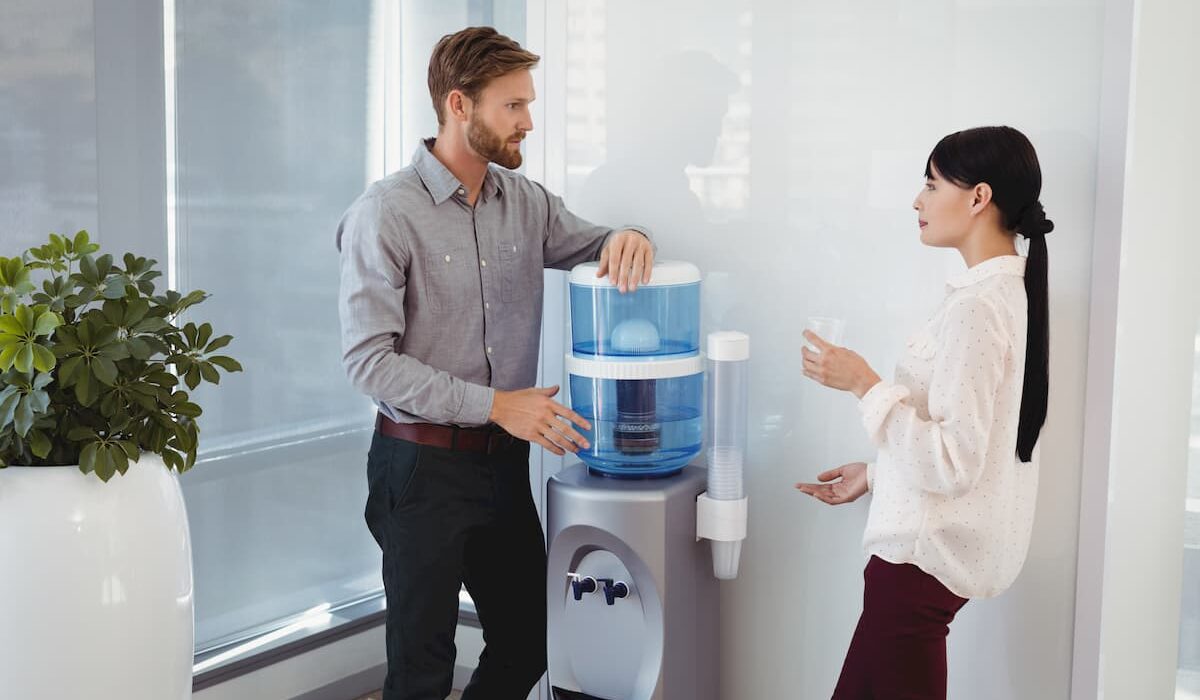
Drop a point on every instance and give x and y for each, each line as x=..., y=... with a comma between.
x=631, y=582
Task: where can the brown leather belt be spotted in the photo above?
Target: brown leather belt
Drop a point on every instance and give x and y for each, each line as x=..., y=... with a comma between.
x=489, y=438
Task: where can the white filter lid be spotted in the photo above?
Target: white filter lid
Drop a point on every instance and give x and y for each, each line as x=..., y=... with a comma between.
x=666, y=273
x=728, y=346
x=635, y=369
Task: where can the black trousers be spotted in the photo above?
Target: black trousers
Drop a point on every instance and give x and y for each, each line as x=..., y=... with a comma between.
x=444, y=519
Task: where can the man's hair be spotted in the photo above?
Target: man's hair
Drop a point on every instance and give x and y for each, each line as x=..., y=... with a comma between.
x=470, y=59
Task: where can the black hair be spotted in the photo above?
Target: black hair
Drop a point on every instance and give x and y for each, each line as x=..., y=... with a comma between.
x=1004, y=158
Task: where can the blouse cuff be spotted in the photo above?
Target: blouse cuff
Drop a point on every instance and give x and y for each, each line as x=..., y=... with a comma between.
x=875, y=406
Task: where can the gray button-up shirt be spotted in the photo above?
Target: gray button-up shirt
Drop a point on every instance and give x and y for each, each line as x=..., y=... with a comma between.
x=441, y=303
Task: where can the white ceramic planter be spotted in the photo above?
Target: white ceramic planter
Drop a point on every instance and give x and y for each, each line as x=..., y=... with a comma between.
x=95, y=584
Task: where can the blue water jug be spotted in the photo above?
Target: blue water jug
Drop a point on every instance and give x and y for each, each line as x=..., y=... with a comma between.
x=636, y=372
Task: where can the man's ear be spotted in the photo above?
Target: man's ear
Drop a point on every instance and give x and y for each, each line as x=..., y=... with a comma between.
x=457, y=105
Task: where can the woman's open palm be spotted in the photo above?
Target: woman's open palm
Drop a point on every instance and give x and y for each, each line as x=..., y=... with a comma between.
x=842, y=485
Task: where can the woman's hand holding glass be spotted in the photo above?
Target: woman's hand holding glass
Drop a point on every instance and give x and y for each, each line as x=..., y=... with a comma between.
x=837, y=367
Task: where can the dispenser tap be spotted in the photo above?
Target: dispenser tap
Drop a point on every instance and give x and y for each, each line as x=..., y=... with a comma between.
x=614, y=590
x=581, y=585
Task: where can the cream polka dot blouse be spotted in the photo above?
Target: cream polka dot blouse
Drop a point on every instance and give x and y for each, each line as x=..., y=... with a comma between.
x=949, y=493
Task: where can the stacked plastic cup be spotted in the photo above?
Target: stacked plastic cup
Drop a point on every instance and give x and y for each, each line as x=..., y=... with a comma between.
x=727, y=409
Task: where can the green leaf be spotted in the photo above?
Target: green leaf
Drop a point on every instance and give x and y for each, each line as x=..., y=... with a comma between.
x=150, y=324
x=226, y=363
x=24, y=359
x=80, y=433
x=146, y=402
x=104, y=463
x=40, y=401
x=155, y=344
x=86, y=390
x=162, y=378
x=8, y=355
x=188, y=409
x=10, y=325
x=110, y=403
x=9, y=399
x=23, y=419
x=218, y=343
x=81, y=240
x=118, y=458
x=131, y=449
x=172, y=459
x=46, y=323
x=39, y=444
x=104, y=265
x=69, y=370
x=139, y=349
x=24, y=316
x=203, y=334
x=192, y=378
x=104, y=369
x=112, y=312
x=87, y=457
x=209, y=373
x=43, y=359
x=119, y=423
x=135, y=311
x=87, y=268
x=114, y=288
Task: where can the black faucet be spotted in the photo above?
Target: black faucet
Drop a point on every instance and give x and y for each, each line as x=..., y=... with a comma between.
x=581, y=585
x=614, y=590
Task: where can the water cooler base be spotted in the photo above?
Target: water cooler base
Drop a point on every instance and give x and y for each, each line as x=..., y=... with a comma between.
x=633, y=605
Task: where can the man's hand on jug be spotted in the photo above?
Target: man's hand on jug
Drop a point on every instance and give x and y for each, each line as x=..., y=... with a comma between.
x=530, y=414
x=627, y=259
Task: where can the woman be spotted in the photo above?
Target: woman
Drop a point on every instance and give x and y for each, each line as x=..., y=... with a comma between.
x=955, y=481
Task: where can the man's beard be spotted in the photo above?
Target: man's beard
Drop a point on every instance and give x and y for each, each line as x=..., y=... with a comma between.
x=492, y=147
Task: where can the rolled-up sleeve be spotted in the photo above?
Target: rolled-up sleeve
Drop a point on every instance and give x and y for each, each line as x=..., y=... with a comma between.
x=374, y=264
x=945, y=453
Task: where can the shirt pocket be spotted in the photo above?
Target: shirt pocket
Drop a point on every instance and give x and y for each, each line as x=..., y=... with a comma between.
x=447, y=278
x=517, y=270
x=922, y=345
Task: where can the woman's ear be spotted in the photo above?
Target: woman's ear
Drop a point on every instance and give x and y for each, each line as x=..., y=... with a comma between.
x=981, y=197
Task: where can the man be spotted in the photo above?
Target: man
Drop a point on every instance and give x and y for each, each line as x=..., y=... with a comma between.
x=441, y=305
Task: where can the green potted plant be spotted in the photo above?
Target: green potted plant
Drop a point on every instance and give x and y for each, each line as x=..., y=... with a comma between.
x=93, y=370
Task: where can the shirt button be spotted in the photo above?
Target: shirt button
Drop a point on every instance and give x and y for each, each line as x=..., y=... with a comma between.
x=461, y=191
x=514, y=249
x=489, y=349
x=487, y=305
x=483, y=262
x=447, y=258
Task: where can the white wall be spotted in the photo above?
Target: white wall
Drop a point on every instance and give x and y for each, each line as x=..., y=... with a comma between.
x=779, y=145
x=1156, y=336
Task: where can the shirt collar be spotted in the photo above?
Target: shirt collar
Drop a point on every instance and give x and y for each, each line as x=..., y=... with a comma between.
x=440, y=182
x=1000, y=265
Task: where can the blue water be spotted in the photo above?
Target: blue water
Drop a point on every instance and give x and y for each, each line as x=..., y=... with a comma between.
x=681, y=437
x=666, y=349
x=598, y=312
